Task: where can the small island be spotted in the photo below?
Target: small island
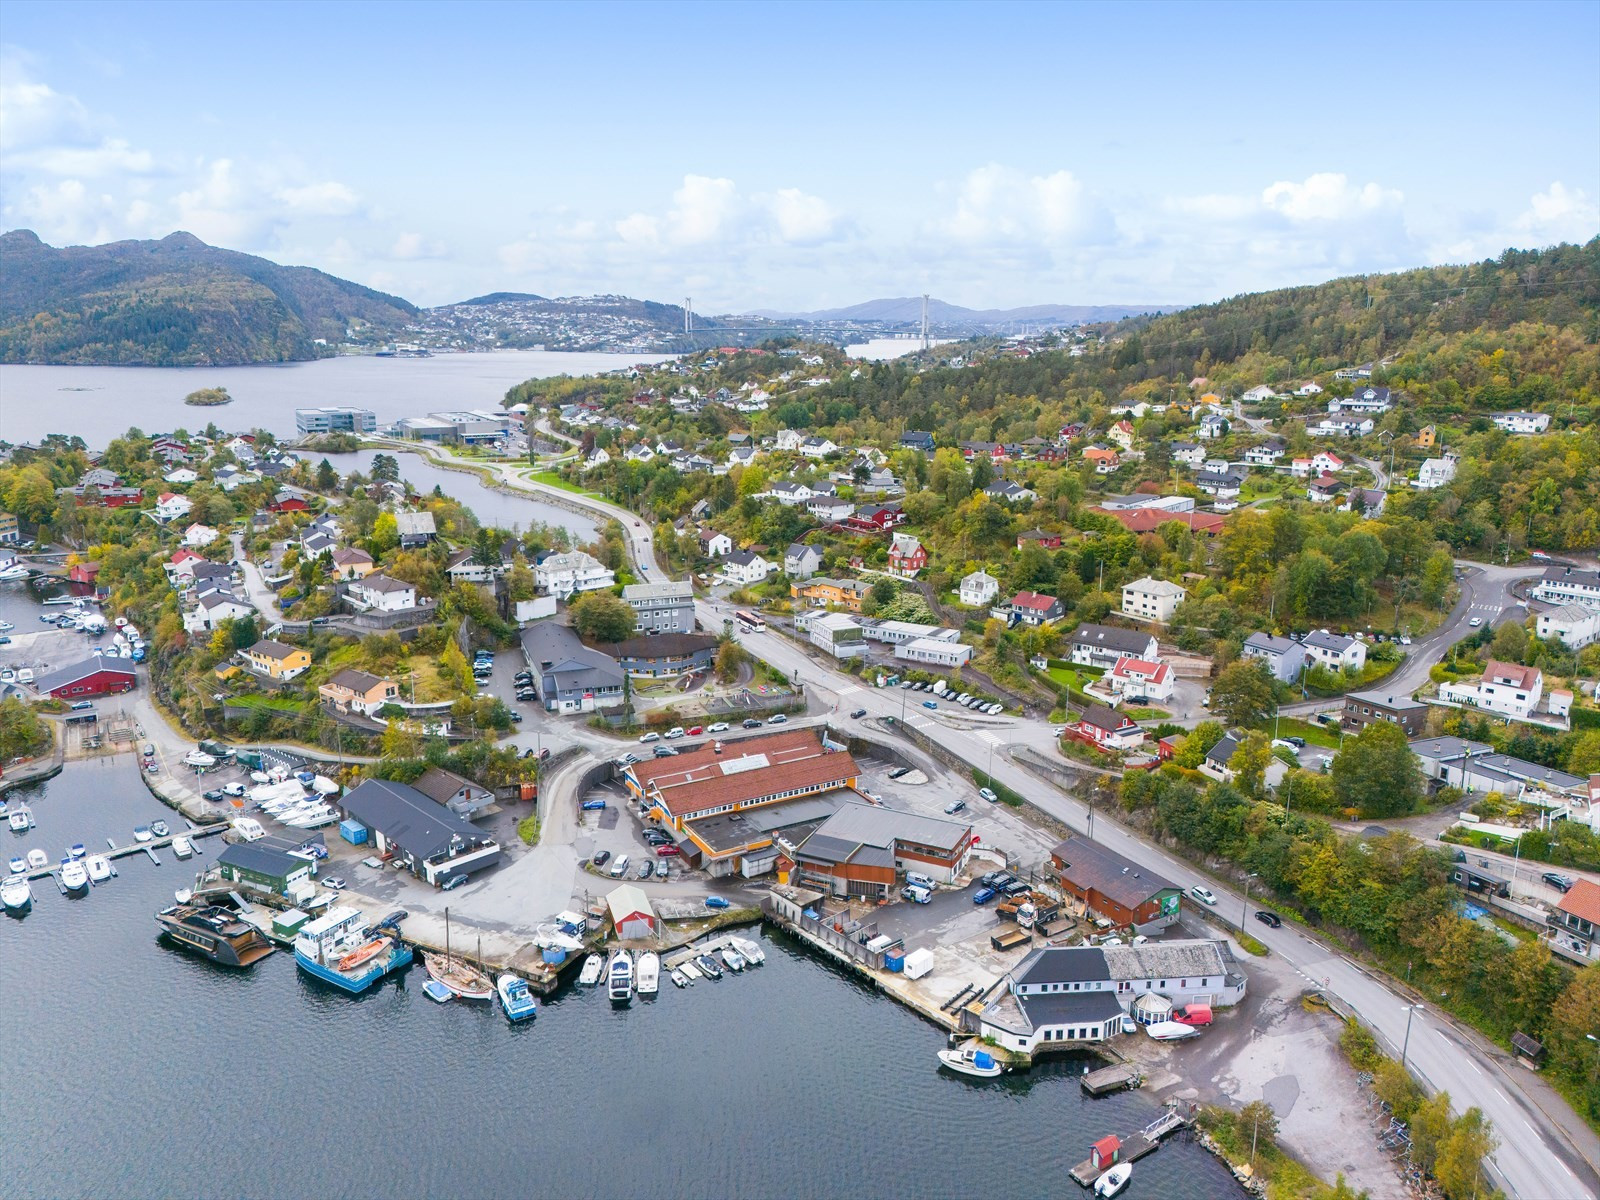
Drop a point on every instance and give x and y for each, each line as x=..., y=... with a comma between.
x=208, y=397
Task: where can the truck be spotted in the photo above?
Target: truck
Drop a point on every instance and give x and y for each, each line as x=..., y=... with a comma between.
x=1043, y=907
x=1010, y=939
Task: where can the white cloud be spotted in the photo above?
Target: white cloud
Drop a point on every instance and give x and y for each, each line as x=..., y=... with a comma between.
x=1561, y=214
x=113, y=156
x=35, y=114
x=326, y=199
x=413, y=246
x=802, y=218
x=997, y=203
x=1329, y=196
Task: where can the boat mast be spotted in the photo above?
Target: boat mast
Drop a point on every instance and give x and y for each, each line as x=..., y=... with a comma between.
x=447, y=935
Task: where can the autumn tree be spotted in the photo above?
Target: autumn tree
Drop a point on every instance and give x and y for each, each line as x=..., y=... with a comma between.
x=1375, y=773
x=730, y=657
x=1249, y=763
x=1458, y=1160
x=1244, y=694
x=602, y=617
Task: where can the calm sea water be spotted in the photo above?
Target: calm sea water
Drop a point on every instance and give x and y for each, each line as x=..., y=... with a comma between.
x=100, y=403
x=132, y=1069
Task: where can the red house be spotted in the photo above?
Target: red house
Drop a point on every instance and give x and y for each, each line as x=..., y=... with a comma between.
x=105, y=497
x=873, y=518
x=1106, y=728
x=287, y=502
x=1040, y=538
x=92, y=677
x=907, y=555
x=84, y=572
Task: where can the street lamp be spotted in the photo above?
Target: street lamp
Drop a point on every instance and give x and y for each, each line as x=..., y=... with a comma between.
x=1245, y=911
x=1411, y=1011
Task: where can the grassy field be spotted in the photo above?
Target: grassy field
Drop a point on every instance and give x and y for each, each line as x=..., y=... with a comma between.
x=1148, y=714
x=1314, y=734
x=276, y=704
x=551, y=479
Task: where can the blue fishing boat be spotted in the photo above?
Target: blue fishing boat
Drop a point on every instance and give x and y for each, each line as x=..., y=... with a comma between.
x=340, y=948
x=515, y=998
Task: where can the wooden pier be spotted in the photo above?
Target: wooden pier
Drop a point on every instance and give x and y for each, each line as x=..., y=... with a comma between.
x=146, y=848
x=1112, y=1079
x=1133, y=1147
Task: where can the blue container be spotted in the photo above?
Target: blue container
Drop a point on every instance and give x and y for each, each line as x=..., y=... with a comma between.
x=895, y=960
x=555, y=956
x=353, y=831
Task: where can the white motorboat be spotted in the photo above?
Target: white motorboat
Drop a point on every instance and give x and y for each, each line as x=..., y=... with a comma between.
x=619, y=977
x=74, y=876
x=199, y=758
x=182, y=847
x=183, y=895
x=592, y=967
x=649, y=973
x=20, y=819
x=516, y=1000
x=6, y=626
x=679, y=979
x=733, y=958
x=76, y=851
x=1114, y=1180
x=141, y=833
x=13, y=570
x=1171, y=1031
x=99, y=868
x=551, y=938
x=19, y=865
x=15, y=893
x=38, y=860
x=752, y=953
x=971, y=1060
x=260, y=777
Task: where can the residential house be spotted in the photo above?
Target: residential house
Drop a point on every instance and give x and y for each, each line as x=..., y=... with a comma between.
x=906, y=555
x=714, y=544
x=569, y=676
x=1364, y=371
x=1211, y=427
x=663, y=655
x=1130, y=896
x=830, y=510
x=789, y=493
x=382, y=593
x=1436, y=472
x=1300, y=468
x=916, y=439
x=463, y=567
x=1122, y=434
x=181, y=476
x=1190, y=454
x=1509, y=689
x=801, y=561
x=1568, y=585
x=846, y=593
x=416, y=832
x=874, y=518
x=1151, y=599
x=1105, y=461
x=1322, y=489
x=747, y=567
x=1325, y=463
x=1259, y=394
x=1350, y=427
x=416, y=529
x=1364, y=400
x=215, y=608
x=661, y=607
x=287, y=501
x=790, y=439
x=276, y=660
x=978, y=589
x=1042, y=538
x=1475, y=767
x=182, y=564
x=1369, y=502
x=742, y=456
x=1427, y=437
x=1575, y=923
x=352, y=562
x=1218, y=758
x=1576, y=625
x=1055, y=997
x=355, y=691
x=1522, y=422
x=1147, y=520
x=171, y=507
x=1107, y=729
x=1267, y=453
x=1368, y=708
x=818, y=447
x=1032, y=608
x=1224, y=486
x=1285, y=657
x=1309, y=388
x=228, y=477
x=1334, y=652
x=10, y=529
x=934, y=652
x=1142, y=681
x=565, y=575
x=100, y=477
x=1103, y=645
x=460, y=795
x=1008, y=491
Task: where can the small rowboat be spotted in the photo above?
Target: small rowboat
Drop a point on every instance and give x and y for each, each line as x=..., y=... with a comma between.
x=361, y=954
x=436, y=991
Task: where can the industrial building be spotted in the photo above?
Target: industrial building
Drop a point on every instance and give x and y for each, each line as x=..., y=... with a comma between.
x=335, y=420
x=862, y=848
x=434, y=843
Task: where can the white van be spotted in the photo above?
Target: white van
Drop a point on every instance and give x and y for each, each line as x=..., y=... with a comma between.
x=916, y=894
x=919, y=880
x=619, y=866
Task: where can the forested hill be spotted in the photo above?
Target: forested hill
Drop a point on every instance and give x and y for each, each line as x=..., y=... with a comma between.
x=1368, y=318
x=173, y=302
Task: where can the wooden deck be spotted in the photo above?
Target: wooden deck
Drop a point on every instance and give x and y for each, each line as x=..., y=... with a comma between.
x=1134, y=1147
x=1111, y=1079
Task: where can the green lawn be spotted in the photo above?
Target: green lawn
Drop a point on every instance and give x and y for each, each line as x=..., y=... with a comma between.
x=272, y=703
x=551, y=479
x=1148, y=714
x=1068, y=677
x=1316, y=735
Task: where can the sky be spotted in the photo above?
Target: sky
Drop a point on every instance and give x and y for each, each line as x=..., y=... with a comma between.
x=800, y=156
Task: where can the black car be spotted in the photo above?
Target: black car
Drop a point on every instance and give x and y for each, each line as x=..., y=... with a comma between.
x=992, y=878
x=899, y=772
x=1299, y=743
x=1557, y=880
x=750, y=723
x=217, y=795
x=1016, y=888
x=858, y=714
x=1269, y=918
x=599, y=859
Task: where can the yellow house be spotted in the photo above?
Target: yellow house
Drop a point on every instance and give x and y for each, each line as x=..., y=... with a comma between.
x=351, y=562
x=1427, y=437
x=846, y=593
x=357, y=691
x=276, y=660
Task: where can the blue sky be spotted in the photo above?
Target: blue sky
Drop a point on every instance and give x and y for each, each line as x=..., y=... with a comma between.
x=796, y=156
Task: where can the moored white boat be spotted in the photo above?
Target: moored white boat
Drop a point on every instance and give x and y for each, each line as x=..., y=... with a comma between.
x=141, y=833
x=1114, y=1180
x=619, y=977
x=971, y=1060
x=516, y=999
x=77, y=851
x=99, y=868
x=733, y=958
x=649, y=973
x=592, y=968
x=751, y=951
x=15, y=893
x=679, y=979
x=37, y=860
x=74, y=877
x=18, y=864
x=20, y=819
x=182, y=847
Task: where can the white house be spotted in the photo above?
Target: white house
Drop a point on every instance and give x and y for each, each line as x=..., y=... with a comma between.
x=817, y=447
x=1577, y=625
x=1569, y=585
x=788, y=492
x=214, y=609
x=1522, y=422
x=384, y=594
x=170, y=506
x=1506, y=688
x=1190, y=454
x=565, y=575
x=598, y=458
x=829, y=509
x=935, y=652
x=1323, y=461
x=1258, y=394
x=1152, y=680
x=1341, y=427
x=1365, y=400
x=746, y=567
x=1122, y=434
x=181, y=475
x=1333, y=651
x=978, y=589
x=1284, y=657
x=1211, y=427
x=714, y=544
x=1267, y=453
x=1152, y=599
x=1309, y=388
x=801, y=561
x=1436, y=472
x=1008, y=491
x=641, y=452
x=228, y=477
x=789, y=439
x=1300, y=467
x=198, y=535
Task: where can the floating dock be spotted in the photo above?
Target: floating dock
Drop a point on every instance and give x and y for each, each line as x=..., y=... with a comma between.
x=147, y=848
x=1133, y=1147
x=1111, y=1079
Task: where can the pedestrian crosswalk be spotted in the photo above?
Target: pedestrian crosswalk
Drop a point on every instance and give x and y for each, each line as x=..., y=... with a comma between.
x=993, y=739
x=851, y=690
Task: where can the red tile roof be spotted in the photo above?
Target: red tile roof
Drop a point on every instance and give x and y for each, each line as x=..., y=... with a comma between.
x=753, y=771
x=1147, y=520
x=1514, y=674
x=1033, y=600
x=1583, y=901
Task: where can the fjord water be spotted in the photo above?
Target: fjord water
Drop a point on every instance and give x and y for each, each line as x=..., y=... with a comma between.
x=134, y=1069
x=100, y=403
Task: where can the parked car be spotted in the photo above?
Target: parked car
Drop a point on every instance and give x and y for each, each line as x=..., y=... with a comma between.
x=954, y=806
x=455, y=881
x=983, y=895
x=600, y=858
x=900, y=772
x=233, y=789
x=1475, y=622
x=1299, y=743
x=81, y=705
x=716, y=902
x=858, y=714
x=619, y=867
x=593, y=805
x=930, y=704
x=719, y=727
x=1016, y=888
x=1405, y=639
x=667, y=850
x=1269, y=918
x=662, y=870
x=214, y=795
x=674, y=733
x=992, y=878
x=646, y=869
x=665, y=752
x=1557, y=880
x=1284, y=744
x=964, y=697
x=907, y=685
x=695, y=731
x=780, y=719
x=334, y=883
x=1203, y=894
x=750, y=723
x=652, y=736
x=988, y=794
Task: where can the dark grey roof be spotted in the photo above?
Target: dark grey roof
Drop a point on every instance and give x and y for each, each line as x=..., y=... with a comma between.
x=1328, y=641
x=1062, y=964
x=1105, y=718
x=1070, y=1008
x=1092, y=865
x=1270, y=644
x=1127, y=641
x=408, y=818
x=263, y=860
x=1223, y=750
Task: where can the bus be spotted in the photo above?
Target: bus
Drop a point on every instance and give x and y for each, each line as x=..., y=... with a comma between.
x=749, y=622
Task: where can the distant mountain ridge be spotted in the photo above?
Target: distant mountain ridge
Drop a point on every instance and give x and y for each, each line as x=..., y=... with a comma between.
x=173, y=302
x=908, y=310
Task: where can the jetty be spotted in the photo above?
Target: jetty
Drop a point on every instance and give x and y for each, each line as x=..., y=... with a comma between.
x=1111, y=1150
x=1112, y=1079
x=149, y=848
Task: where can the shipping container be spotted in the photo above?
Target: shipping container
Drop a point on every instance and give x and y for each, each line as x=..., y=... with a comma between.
x=894, y=960
x=353, y=831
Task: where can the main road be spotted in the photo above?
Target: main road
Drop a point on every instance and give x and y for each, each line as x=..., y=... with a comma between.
x=1537, y=1157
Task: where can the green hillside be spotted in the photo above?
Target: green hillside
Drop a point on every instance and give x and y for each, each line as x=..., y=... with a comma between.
x=173, y=302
